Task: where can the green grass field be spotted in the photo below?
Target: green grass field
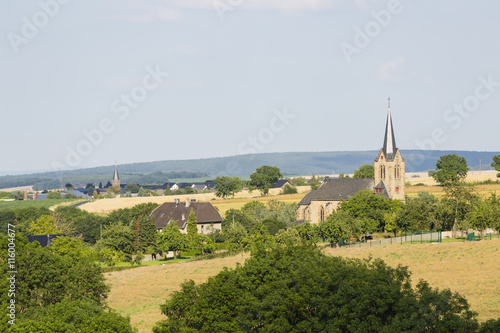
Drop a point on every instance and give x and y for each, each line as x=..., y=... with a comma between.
x=18, y=204
x=470, y=268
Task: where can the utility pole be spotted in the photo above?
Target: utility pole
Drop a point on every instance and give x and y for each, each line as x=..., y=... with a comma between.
x=479, y=166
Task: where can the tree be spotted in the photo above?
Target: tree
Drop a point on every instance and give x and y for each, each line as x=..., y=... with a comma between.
x=482, y=215
x=264, y=178
x=455, y=206
x=314, y=183
x=236, y=234
x=287, y=189
x=299, y=289
x=132, y=188
x=71, y=247
x=53, y=195
x=43, y=225
x=344, y=176
x=450, y=169
x=89, y=226
x=226, y=186
x=171, y=239
x=340, y=226
x=298, y=181
x=90, y=191
x=119, y=238
x=46, y=277
x=100, y=184
x=370, y=208
x=73, y=316
x=365, y=171
x=496, y=164
x=114, y=189
x=417, y=213
x=309, y=232
x=69, y=186
x=145, y=234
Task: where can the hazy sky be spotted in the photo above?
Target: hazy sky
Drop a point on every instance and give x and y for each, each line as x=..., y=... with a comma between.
x=86, y=82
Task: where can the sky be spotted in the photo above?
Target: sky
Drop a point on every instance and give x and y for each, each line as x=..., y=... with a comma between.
x=90, y=83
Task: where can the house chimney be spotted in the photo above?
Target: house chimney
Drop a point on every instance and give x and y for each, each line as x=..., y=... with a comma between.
x=25, y=195
x=35, y=196
x=188, y=202
x=183, y=217
x=177, y=201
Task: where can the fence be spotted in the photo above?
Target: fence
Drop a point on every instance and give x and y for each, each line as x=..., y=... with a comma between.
x=413, y=237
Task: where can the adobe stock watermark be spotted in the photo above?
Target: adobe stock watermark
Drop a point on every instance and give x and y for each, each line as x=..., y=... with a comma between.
x=121, y=107
x=454, y=116
x=363, y=36
x=11, y=274
x=258, y=141
x=223, y=6
x=31, y=26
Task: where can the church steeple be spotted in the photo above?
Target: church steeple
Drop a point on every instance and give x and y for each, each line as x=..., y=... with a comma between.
x=389, y=140
x=116, y=177
x=390, y=165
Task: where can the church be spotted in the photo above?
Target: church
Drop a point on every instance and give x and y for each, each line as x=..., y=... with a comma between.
x=389, y=182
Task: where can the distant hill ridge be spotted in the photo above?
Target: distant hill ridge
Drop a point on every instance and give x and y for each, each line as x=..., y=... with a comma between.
x=291, y=164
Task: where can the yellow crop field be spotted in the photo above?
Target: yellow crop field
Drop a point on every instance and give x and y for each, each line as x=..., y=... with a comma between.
x=109, y=205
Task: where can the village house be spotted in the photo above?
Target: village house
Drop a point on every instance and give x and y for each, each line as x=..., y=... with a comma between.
x=208, y=218
x=281, y=183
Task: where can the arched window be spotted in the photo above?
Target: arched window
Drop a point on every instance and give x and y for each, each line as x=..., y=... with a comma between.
x=397, y=189
x=383, y=171
x=397, y=172
x=322, y=214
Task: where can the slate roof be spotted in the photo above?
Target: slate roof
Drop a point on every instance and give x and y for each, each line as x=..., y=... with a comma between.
x=280, y=183
x=78, y=194
x=170, y=211
x=381, y=186
x=342, y=189
x=307, y=199
x=44, y=240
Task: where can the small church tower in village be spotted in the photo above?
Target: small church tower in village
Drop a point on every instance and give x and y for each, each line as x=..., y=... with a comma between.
x=116, y=178
x=390, y=165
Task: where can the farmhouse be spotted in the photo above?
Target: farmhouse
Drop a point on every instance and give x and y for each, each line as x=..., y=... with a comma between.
x=207, y=217
x=281, y=183
x=389, y=182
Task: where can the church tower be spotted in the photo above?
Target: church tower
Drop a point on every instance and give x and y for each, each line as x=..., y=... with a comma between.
x=116, y=178
x=390, y=165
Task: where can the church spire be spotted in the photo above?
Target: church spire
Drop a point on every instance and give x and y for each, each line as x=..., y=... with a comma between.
x=116, y=178
x=389, y=140
x=115, y=175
